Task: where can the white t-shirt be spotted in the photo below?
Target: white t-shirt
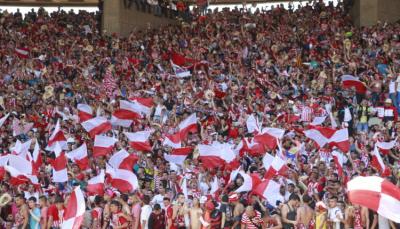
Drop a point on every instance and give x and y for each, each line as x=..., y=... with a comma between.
x=158, y=199
x=392, y=87
x=145, y=215
x=335, y=214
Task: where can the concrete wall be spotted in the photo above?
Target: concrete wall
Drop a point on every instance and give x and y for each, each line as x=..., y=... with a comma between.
x=389, y=10
x=117, y=19
x=369, y=12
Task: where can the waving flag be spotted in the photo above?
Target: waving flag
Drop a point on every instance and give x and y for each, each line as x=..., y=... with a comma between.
x=22, y=53
x=252, y=124
x=269, y=137
x=60, y=172
x=216, y=155
x=269, y=190
x=97, y=125
x=339, y=160
x=172, y=140
x=103, y=145
x=95, y=185
x=376, y=194
x=3, y=119
x=17, y=177
x=22, y=149
x=188, y=125
x=249, y=182
x=180, y=72
x=123, y=180
x=20, y=163
x=109, y=83
x=139, y=140
x=76, y=207
x=130, y=110
x=85, y=112
x=378, y=164
x=324, y=135
x=349, y=81
x=277, y=167
x=80, y=156
x=385, y=147
x=178, y=155
x=57, y=137
x=123, y=160
x=36, y=158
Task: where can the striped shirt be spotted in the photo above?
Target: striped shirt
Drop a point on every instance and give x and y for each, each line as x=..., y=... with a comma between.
x=251, y=223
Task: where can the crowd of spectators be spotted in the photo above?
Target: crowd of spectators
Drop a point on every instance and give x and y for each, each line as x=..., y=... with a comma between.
x=281, y=66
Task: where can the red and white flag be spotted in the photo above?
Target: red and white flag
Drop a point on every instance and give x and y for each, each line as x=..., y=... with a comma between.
x=249, y=182
x=378, y=164
x=22, y=149
x=79, y=156
x=277, y=167
x=216, y=154
x=103, y=145
x=3, y=119
x=267, y=161
x=17, y=177
x=385, y=147
x=172, y=140
x=115, y=121
x=123, y=180
x=109, y=82
x=22, y=53
x=339, y=159
x=269, y=190
x=123, y=160
x=178, y=156
x=59, y=164
x=188, y=125
x=95, y=184
x=253, y=148
x=36, y=159
x=97, y=125
x=142, y=106
x=252, y=124
x=377, y=194
x=57, y=137
x=20, y=163
x=349, y=81
x=325, y=135
x=130, y=110
x=269, y=137
x=85, y=112
x=73, y=213
x=139, y=140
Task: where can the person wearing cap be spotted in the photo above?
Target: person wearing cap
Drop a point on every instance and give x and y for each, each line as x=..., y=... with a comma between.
x=389, y=112
x=321, y=215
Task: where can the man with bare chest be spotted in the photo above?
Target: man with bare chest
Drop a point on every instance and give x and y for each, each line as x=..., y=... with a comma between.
x=305, y=214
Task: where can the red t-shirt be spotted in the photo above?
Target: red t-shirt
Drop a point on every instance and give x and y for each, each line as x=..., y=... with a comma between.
x=118, y=220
